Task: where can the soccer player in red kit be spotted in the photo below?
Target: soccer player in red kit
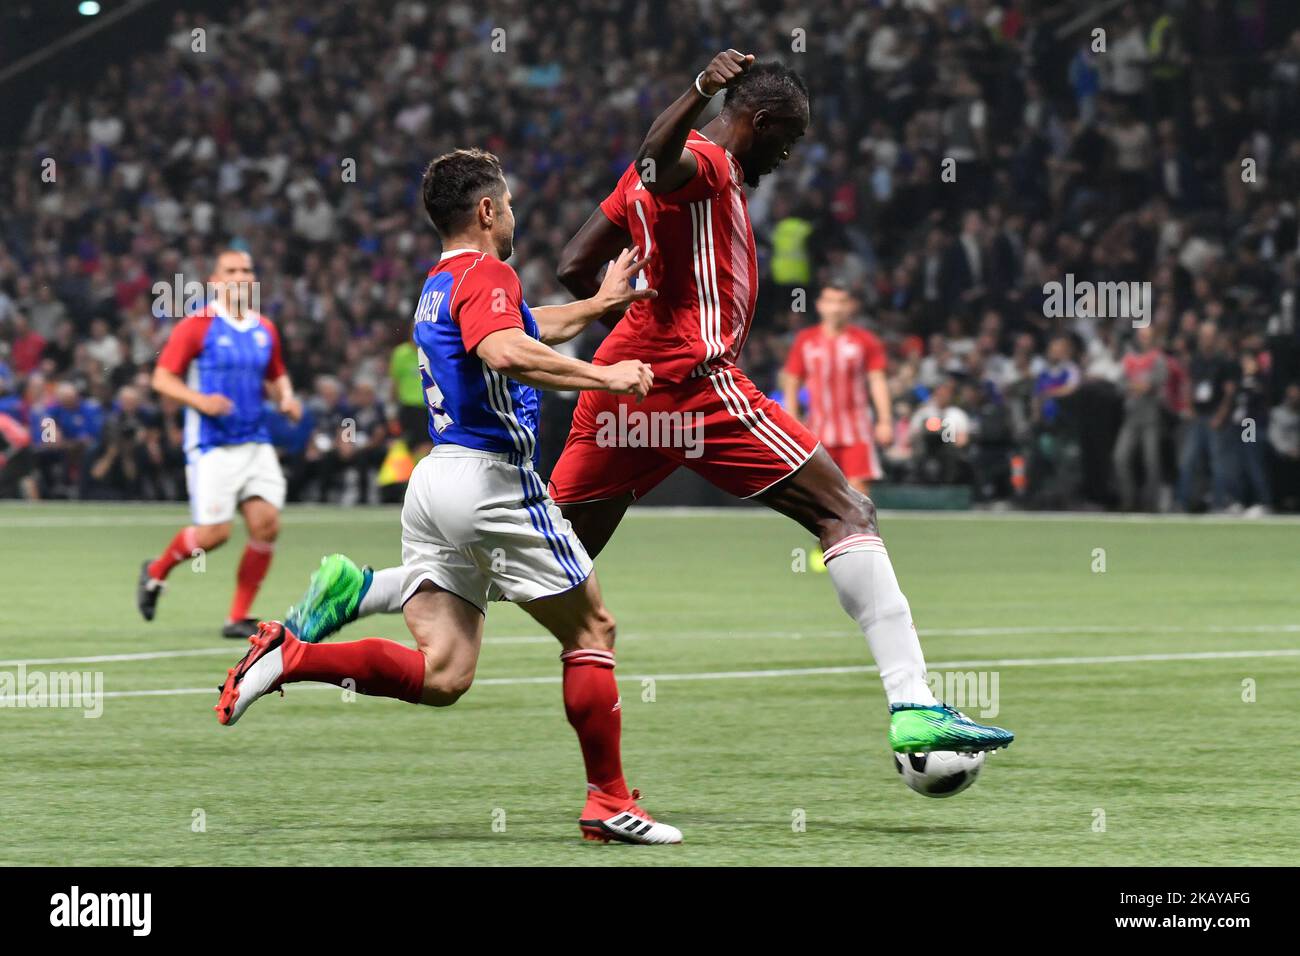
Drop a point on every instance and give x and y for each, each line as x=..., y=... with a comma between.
x=219, y=363
x=682, y=202
x=843, y=366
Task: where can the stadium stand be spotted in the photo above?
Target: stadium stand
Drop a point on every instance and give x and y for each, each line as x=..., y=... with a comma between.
x=1169, y=162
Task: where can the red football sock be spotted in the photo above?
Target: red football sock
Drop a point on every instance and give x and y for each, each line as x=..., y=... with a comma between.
x=181, y=547
x=252, y=569
x=380, y=668
x=593, y=707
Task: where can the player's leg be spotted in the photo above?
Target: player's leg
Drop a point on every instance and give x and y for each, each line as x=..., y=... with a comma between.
x=856, y=462
x=212, y=510
x=263, y=522
x=594, y=522
x=261, y=489
x=338, y=593
x=597, y=477
x=448, y=631
x=341, y=591
x=443, y=596
x=585, y=629
x=755, y=449
x=547, y=571
x=819, y=498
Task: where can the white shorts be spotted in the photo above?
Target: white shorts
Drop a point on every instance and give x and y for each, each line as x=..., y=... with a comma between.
x=221, y=478
x=473, y=521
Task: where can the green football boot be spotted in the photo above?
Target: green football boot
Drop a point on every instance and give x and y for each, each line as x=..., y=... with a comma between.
x=332, y=599
x=917, y=728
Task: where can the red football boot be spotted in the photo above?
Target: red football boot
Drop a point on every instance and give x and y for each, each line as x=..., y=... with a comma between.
x=257, y=673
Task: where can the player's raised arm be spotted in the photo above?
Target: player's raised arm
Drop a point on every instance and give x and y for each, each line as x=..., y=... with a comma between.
x=559, y=323
x=663, y=162
x=515, y=354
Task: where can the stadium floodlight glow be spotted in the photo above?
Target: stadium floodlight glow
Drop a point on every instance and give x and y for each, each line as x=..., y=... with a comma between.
x=88, y=8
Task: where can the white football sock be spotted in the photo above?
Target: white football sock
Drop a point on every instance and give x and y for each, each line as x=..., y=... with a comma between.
x=385, y=593
x=868, y=590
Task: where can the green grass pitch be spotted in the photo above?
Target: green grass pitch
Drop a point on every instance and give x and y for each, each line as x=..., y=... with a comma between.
x=1155, y=703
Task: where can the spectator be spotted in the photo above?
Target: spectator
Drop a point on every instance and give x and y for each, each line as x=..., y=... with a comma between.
x=941, y=432
x=408, y=389
x=27, y=346
x=1125, y=165
x=15, y=459
x=104, y=348
x=63, y=433
x=1212, y=382
x=1145, y=372
x=1247, y=463
x=1284, y=441
x=130, y=461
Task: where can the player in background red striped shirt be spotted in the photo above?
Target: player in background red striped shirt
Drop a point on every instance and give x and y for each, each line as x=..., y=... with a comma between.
x=843, y=367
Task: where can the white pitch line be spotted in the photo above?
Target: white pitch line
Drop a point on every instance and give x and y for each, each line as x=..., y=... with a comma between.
x=722, y=635
x=781, y=672
x=29, y=516
x=719, y=635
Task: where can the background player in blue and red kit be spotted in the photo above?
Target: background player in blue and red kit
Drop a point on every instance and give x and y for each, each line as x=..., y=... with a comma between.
x=219, y=363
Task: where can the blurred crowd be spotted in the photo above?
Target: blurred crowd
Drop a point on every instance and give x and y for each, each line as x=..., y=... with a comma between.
x=964, y=155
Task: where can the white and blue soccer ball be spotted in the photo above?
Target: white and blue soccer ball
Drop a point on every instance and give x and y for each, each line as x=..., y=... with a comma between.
x=940, y=773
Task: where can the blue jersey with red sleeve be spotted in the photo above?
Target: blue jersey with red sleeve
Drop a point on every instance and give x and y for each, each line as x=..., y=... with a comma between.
x=217, y=354
x=467, y=296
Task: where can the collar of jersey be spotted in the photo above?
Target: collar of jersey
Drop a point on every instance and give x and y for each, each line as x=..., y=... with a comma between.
x=249, y=320
x=455, y=252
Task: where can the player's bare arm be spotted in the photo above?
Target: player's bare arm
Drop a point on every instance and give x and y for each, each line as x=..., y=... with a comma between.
x=515, y=354
x=663, y=161
x=171, y=385
x=596, y=243
x=790, y=384
x=559, y=323
x=878, y=386
x=281, y=390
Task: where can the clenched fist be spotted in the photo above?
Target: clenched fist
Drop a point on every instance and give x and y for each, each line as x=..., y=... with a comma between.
x=629, y=378
x=722, y=69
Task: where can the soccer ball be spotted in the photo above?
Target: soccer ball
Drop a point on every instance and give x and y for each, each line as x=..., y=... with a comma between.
x=941, y=773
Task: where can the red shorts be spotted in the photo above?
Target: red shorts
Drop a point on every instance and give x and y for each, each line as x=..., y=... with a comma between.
x=720, y=426
x=858, y=462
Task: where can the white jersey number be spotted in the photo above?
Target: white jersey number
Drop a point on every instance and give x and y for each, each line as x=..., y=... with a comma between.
x=433, y=397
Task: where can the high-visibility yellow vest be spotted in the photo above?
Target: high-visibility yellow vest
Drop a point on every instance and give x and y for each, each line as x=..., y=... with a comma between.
x=791, y=264
x=1156, y=48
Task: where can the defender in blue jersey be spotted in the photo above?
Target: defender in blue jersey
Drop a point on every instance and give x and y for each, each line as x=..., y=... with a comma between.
x=477, y=518
x=220, y=363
